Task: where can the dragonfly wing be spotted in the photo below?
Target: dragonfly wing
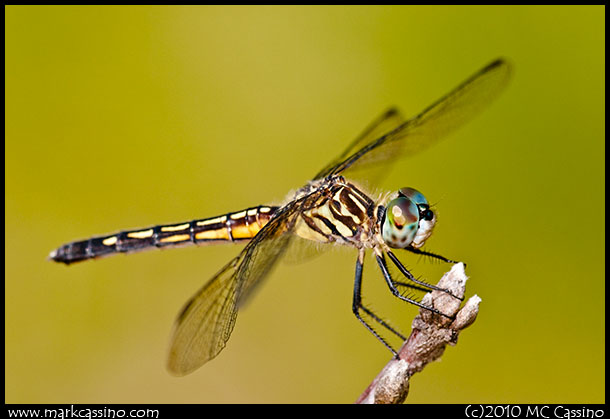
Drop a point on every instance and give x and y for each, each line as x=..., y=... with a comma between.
x=205, y=323
x=439, y=119
x=265, y=250
x=385, y=123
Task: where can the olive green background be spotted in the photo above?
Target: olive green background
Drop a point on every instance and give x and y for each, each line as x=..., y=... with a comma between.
x=126, y=117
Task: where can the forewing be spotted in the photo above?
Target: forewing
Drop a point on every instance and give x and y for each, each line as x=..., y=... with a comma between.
x=445, y=115
x=264, y=251
x=205, y=323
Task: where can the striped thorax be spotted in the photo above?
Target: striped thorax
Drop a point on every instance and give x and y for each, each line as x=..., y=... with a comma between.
x=338, y=212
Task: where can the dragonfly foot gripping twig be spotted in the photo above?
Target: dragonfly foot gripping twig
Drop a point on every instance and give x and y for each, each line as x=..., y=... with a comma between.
x=430, y=335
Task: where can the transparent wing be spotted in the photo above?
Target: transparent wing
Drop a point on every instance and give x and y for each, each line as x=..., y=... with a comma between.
x=205, y=323
x=445, y=115
x=385, y=123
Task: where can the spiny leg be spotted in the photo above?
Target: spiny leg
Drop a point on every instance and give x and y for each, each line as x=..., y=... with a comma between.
x=357, y=306
x=432, y=255
x=388, y=278
x=382, y=322
x=413, y=287
x=410, y=277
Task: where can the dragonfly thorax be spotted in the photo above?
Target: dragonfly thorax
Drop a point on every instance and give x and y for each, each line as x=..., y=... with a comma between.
x=407, y=220
x=336, y=211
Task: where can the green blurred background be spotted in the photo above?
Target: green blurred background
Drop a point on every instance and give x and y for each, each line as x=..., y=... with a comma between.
x=126, y=117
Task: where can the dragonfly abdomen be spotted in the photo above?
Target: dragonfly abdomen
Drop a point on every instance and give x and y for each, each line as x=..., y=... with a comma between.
x=235, y=226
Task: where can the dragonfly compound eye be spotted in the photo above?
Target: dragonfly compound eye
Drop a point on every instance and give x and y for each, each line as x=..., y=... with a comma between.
x=414, y=195
x=425, y=213
x=401, y=222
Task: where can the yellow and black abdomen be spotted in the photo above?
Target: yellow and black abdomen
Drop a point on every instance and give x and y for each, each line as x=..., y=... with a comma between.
x=231, y=227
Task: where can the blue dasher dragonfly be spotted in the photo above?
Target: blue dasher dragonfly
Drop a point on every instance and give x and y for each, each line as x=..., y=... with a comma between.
x=328, y=209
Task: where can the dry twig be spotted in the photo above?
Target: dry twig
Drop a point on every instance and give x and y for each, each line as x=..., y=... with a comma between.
x=430, y=335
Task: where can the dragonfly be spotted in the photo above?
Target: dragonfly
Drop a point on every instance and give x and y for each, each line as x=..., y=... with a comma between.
x=330, y=209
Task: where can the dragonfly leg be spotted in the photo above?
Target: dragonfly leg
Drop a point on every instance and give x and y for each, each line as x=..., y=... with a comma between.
x=410, y=277
x=388, y=278
x=432, y=255
x=357, y=306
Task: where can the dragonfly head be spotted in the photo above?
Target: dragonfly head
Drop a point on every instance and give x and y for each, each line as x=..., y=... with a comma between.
x=408, y=220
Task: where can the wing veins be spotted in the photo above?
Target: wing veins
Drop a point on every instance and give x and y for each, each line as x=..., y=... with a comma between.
x=440, y=118
x=207, y=320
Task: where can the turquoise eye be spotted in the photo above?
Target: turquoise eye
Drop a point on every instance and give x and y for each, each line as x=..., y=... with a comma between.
x=414, y=195
x=401, y=222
